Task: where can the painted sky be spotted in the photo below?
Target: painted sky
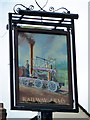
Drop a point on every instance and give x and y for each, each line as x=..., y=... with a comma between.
x=46, y=45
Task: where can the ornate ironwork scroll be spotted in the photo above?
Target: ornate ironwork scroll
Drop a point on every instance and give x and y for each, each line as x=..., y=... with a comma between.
x=31, y=7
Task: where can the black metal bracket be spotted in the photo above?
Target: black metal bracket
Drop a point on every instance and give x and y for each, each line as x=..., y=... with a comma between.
x=29, y=18
x=39, y=18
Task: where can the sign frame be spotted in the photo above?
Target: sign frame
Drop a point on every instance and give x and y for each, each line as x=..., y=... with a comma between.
x=55, y=108
x=43, y=32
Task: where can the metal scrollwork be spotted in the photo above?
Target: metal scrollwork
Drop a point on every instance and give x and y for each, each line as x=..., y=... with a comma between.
x=51, y=9
x=16, y=8
x=41, y=8
x=65, y=10
x=31, y=7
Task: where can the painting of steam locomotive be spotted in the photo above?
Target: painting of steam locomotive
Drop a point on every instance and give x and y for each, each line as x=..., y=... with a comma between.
x=43, y=67
x=41, y=76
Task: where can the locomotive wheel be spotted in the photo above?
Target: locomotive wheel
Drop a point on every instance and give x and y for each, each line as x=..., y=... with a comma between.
x=52, y=86
x=25, y=83
x=20, y=82
x=38, y=83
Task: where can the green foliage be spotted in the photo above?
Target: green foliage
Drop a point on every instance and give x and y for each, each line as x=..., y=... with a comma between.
x=62, y=76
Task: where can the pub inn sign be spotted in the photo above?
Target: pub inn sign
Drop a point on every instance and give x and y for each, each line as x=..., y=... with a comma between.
x=43, y=61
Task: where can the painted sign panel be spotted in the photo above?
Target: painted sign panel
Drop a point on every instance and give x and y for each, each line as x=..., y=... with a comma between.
x=43, y=68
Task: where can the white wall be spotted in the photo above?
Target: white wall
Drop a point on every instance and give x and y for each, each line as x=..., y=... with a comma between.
x=81, y=26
